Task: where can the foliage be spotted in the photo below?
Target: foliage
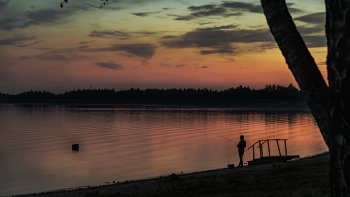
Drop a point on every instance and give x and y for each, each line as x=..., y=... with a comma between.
x=270, y=92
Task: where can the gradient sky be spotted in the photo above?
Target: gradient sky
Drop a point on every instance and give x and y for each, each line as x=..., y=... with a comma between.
x=147, y=44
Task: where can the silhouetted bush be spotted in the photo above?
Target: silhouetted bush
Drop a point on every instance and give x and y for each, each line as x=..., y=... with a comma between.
x=270, y=92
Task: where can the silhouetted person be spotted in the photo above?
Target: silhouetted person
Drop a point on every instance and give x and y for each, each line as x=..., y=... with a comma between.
x=241, y=145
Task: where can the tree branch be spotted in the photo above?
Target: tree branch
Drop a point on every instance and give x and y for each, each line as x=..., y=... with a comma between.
x=298, y=58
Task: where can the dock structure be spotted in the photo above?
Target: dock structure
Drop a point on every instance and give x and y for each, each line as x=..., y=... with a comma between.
x=270, y=159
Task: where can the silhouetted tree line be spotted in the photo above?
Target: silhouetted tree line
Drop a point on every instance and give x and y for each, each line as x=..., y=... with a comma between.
x=270, y=92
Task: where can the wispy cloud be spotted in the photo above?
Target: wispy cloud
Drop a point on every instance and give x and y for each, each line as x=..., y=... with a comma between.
x=109, y=65
x=313, y=32
x=322, y=63
x=292, y=9
x=315, y=41
x=314, y=18
x=3, y=3
x=112, y=5
x=18, y=41
x=52, y=56
x=165, y=65
x=216, y=39
x=246, y=7
x=142, y=14
x=109, y=34
x=9, y=23
x=207, y=52
x=206, y=10
x=225, y=9
x=69, y=54
x=86, y=42
x=39, y=17
x=141, y=50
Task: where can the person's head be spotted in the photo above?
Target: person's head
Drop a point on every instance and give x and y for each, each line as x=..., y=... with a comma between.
x=241, y=137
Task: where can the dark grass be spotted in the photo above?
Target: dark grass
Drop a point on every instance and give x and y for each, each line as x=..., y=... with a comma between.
x=302, y=178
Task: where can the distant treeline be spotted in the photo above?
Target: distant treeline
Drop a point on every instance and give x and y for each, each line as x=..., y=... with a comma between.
x=270, y=92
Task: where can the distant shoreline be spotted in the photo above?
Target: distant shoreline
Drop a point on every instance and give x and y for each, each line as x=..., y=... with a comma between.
x=258, y=105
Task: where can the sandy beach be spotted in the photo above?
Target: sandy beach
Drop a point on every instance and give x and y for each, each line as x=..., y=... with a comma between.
x=302, y=177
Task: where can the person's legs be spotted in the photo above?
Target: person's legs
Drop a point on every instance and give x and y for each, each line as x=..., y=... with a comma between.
x=241, y=158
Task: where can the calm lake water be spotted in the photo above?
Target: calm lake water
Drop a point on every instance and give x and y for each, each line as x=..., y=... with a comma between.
x=118, y=144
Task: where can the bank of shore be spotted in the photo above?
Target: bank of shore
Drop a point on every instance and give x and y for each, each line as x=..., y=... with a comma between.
x=288, y=105
x=260, y=105
x=303, y=177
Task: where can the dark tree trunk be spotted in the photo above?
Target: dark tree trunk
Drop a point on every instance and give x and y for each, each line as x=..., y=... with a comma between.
x=330, y=106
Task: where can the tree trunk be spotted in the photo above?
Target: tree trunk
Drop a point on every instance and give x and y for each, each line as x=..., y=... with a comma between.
x=338, y=67
x=330, y=106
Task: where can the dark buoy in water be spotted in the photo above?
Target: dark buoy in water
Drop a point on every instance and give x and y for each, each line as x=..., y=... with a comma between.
x=75, y=147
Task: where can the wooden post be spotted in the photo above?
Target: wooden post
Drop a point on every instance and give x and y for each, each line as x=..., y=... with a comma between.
x=279, y=150
x=253, y=153
x=260, y=149
x=285, y=146
x=268, y=146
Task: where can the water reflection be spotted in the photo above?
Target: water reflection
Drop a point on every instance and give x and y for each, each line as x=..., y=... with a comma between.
x=118, y=144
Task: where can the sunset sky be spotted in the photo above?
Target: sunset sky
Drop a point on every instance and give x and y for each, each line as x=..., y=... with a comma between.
x=147, y=44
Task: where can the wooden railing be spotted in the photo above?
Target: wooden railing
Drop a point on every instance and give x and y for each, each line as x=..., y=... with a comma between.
x=260, y=143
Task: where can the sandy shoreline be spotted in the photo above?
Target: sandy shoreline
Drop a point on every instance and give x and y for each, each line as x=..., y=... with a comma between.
x=223, y=182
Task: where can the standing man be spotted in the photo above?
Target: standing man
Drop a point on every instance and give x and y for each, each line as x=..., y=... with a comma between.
x=241, y=145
